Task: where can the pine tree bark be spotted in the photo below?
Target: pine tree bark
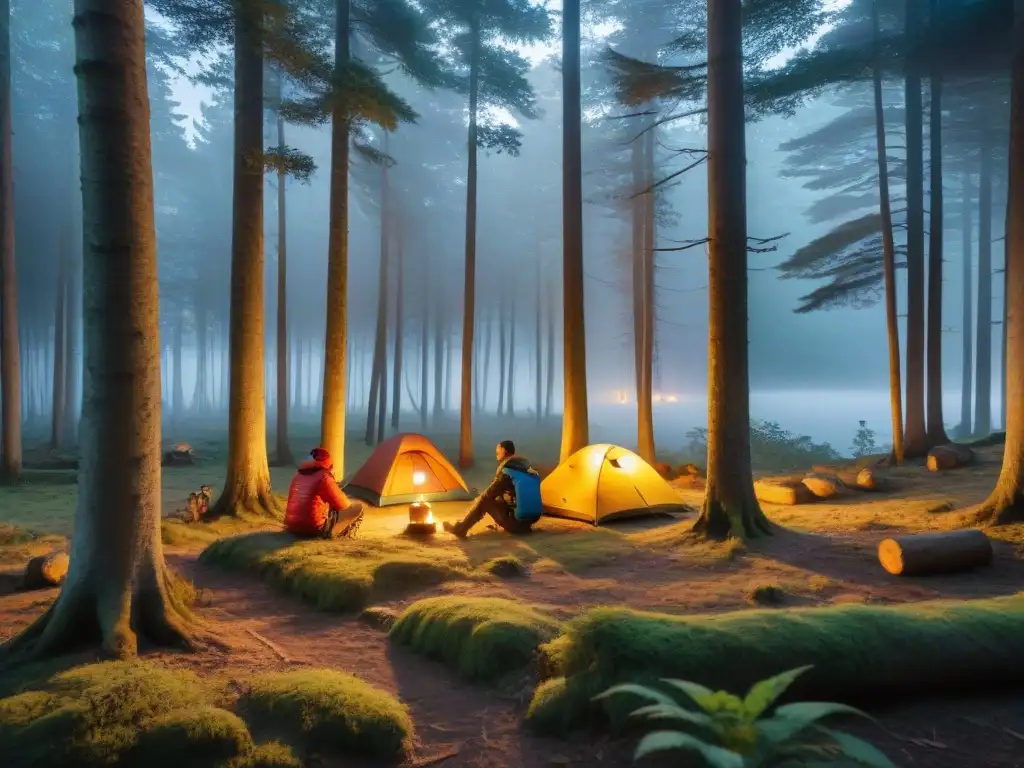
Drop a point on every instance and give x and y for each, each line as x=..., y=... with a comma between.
x=117, y=587
x=510, y=379
x=247, y=485
x=1006, y=503
x=397, y=352
x=916, y=437
x=967, y=316
x=60, y=324
x=936, y=429
x=730, y=507
x=575, y=420
x=283, y=451
x=983, y=354
x=888, y=247
x=333, y=408
x=469, y=286
x=645, y=298
x=10, y=342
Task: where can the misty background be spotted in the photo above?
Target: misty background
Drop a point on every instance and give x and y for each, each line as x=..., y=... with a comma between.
x=815, y=374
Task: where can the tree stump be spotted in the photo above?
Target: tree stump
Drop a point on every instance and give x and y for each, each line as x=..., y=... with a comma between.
x=930, y=553
x=46, y=571
x=823, y=486
x=181, y=455
x=786, y=492
x=951, y=456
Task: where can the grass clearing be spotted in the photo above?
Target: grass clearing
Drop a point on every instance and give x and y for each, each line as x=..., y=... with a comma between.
x=482, y=638
x=177, y=533
x=858, y=651
x=327, y=709
x=341, y=574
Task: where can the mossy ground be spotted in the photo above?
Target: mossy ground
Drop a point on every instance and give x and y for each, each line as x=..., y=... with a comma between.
x=858, y=651
x=480, y=638
x=138, y=713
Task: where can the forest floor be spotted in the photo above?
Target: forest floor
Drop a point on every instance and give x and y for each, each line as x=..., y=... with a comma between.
x=826, y=556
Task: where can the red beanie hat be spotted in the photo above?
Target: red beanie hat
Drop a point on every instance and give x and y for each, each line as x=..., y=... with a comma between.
x=320, y=455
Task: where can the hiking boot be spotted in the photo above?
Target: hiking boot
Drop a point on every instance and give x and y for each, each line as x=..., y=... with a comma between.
x=455, y=530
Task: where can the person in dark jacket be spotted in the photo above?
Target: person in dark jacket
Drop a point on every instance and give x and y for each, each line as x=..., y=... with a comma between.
x=316, y=504
x=499, y=498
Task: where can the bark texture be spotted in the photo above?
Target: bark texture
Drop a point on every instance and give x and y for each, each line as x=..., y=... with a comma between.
x=983, y=348
x=730, y=507
x=575, y=421
x=247, y=486
x=967, y=315
x=10, y=347
x=284, y=453
x=1006, y=503
x=333, y=407
x=117, y=586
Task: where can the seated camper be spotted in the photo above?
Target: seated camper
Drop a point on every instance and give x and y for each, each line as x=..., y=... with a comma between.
x=512, y=499
x=317, y=507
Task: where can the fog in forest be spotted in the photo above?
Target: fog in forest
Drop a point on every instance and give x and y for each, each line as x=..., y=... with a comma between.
x=815, y=373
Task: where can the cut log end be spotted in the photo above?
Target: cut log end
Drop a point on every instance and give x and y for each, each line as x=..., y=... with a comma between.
x=951, y=456
x=933, y=553
x=785, y=492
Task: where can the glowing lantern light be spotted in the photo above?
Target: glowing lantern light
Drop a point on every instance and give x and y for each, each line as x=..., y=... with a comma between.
x=419, y=478
x=421, y=518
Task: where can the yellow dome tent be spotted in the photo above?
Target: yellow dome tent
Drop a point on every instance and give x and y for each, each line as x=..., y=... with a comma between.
x=605, y=482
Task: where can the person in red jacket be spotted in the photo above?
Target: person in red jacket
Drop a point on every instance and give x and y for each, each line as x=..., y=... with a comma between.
x=316, y=505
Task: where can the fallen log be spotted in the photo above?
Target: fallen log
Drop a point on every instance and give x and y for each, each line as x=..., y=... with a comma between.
x=871, y=479
x=951, y=456
x=823, y=486
x=931, y=553
x=45, y=571
x=786, y=492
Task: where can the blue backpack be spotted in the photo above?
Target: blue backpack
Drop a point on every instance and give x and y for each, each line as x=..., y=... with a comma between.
x=527, y=489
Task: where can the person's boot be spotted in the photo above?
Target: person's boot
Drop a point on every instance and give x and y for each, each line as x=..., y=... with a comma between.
x=458, y=530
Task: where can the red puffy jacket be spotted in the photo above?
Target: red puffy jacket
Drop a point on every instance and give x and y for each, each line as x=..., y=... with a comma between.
x=312, y=494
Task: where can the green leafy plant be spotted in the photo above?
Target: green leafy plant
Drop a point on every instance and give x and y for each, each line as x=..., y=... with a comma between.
x=730, y=732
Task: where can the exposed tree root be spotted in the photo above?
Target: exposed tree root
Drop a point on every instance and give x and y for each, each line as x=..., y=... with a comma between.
x=1000, y=509
x=720, y=520
x=234, y=502
x=82, y=617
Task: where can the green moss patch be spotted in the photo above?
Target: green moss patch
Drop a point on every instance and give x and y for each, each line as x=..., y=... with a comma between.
x=506, y=567
x=858, y=651
x=343, y=574
x=330, y=710
x=178, y=533
x=102, y=714
x=482, y=638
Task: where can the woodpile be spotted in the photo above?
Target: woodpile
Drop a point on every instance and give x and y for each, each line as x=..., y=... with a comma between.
x=181, y=455
x=950, y=456
x=46, y=571
x=931, y=553
x=782, y=491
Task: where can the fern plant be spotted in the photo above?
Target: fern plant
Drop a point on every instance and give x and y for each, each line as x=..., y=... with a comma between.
x=730, y=732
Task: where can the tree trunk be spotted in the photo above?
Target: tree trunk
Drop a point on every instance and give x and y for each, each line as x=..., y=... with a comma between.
x=538, y=349
x=730, y=506
x=983, y=366
x=1004, y=341
x=60, y=324
x=510, y=381
x=177, y=380
x=916, y=444
x=936, y=223
x=644, y=295
x=396, y=385
x=575, y=421
x=488, y=338
x=469, y=287
x=117, y=586
x=284, y=453
x=502, y=353
x=550, y=387
x=199, y=319
x=247, y=485
x=967, y=354
x=378, y=371
x=72, y=319
x=439, y=326
x=333, y=405
x=425, y=344
x=10, y=342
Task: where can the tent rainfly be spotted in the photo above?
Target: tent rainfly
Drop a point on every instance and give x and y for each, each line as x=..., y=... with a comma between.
x=605, y=482
x=405, y=468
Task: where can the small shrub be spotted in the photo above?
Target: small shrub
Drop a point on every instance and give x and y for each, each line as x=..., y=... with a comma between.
x=506, y=567
x=729, y=732
x=482, y=638
x=864, y=442
x=273, y=754
x=199, y=738
x=330, y=710
x=766, y=594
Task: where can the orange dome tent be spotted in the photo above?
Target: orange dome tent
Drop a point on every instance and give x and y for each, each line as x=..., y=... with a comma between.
x=604, y=482
x=405, y=468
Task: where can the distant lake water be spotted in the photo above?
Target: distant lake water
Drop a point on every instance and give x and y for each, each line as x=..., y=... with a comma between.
x=824, y=415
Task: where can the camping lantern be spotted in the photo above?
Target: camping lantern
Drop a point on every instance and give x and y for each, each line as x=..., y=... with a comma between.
x=421, y=519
